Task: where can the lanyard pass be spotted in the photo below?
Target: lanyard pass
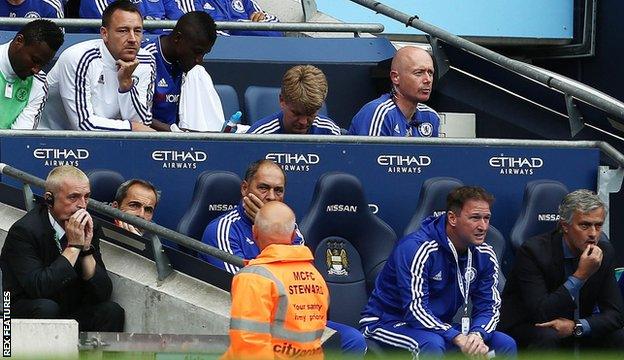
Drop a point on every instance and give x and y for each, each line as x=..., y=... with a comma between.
x=8, y=91
x=465, y=325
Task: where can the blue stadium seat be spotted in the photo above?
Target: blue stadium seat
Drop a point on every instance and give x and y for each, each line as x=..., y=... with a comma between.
x=349, y=243
x=262, y=101
x=496, y=240
x=229, y=100
x=539, y=212
x=215, y=192
x=432, y=200
x=104, y=184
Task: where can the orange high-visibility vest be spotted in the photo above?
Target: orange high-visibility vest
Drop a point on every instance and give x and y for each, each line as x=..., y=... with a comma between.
x=279, y=306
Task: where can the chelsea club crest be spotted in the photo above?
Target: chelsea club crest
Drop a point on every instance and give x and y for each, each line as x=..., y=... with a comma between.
x=425, y=129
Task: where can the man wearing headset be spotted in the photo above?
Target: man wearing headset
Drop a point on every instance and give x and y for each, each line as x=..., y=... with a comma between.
x=51, y=259
x=402, y=112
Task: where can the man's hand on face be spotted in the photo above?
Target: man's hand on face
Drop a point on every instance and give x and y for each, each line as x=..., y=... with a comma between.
x=257, y=16
x=589, y=262
x=128, y=227
x=251, y=205
x=124, y=73
x=88, y=232
x=563, y=327
x=79, y=228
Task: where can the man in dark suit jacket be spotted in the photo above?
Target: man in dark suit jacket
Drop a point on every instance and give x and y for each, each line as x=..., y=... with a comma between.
x=562, y=289
x=51, y=259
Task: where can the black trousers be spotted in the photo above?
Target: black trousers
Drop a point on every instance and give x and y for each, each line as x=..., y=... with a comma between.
x=530, y=337
x=106, y=316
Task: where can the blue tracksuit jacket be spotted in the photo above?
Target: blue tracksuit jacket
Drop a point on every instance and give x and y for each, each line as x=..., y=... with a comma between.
x=273, y=124
x=381, y=117
x=231, y=232
x=418, y=285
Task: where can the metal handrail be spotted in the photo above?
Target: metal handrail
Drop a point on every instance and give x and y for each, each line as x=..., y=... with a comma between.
x=221, y=25
x=597, y=99
x=132, y=219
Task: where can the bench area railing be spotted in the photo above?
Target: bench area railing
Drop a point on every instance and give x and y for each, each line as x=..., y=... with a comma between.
x=570, y=88
x=355, y=28
x=29, y=180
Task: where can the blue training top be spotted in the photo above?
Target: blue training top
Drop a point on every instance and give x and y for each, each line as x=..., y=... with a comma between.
x=231, y=232
x=419, y=284
x=167, y=85
x=274, y=124
x=33, y=9
x=382, y=117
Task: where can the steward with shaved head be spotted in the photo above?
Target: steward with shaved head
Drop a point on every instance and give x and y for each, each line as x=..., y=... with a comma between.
x=402, y=112
x=290, y=298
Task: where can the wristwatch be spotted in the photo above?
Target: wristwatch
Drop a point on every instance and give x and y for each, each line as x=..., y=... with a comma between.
x=87, y=251
x=578, y=329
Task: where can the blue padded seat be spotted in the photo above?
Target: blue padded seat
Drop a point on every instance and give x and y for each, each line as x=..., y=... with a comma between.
x=215, y=192
x=539, y=211
x=496, y=240
x=262, y=101
x=229, y=100
x=350, y=243
x=104, y=184
x=431, y=200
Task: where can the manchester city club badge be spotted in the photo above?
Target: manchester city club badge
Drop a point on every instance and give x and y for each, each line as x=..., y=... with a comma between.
x=336, y=259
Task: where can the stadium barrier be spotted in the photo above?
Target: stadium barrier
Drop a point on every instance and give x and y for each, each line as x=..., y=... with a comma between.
x=391, y=170
x=29, y=180
x=571, y=89
x=356, y=28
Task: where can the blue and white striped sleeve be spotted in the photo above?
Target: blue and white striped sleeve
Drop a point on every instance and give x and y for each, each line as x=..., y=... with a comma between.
x=220, y=233
x=74, y=77
x=486, y=300
x=412, y=266
x=136, y=104
x=251, y=6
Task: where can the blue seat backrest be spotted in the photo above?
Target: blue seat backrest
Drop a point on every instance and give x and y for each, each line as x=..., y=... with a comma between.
x=432, y=200
x=262, y=101
x=340, y=221
x=344, y=276
x=229, y=100
x=497, y=241
x=104, y=184
x=539, y=212
x=215, y=192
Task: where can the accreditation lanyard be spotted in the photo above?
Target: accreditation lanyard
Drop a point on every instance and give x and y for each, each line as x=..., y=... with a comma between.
x=464, y=285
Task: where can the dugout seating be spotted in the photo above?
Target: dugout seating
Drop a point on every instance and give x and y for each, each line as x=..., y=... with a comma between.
x=539, y=211
x=104, y=184
x=497, y=241
x=350, y=244
x=215, y=192
x=261, y=101
x=229, y=99
x=432, y=200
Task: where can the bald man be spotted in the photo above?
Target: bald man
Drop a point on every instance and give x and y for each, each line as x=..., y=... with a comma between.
x=290, y=298
x=402, y=112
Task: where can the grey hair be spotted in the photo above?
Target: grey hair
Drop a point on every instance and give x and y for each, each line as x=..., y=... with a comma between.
x=583, y=201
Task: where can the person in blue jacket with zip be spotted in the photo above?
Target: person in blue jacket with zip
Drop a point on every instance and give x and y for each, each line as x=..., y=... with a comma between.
x=434, y=272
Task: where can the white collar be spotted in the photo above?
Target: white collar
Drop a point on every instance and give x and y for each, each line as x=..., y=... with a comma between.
x=107, y=57
x=60, y=232
x=5, y=63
